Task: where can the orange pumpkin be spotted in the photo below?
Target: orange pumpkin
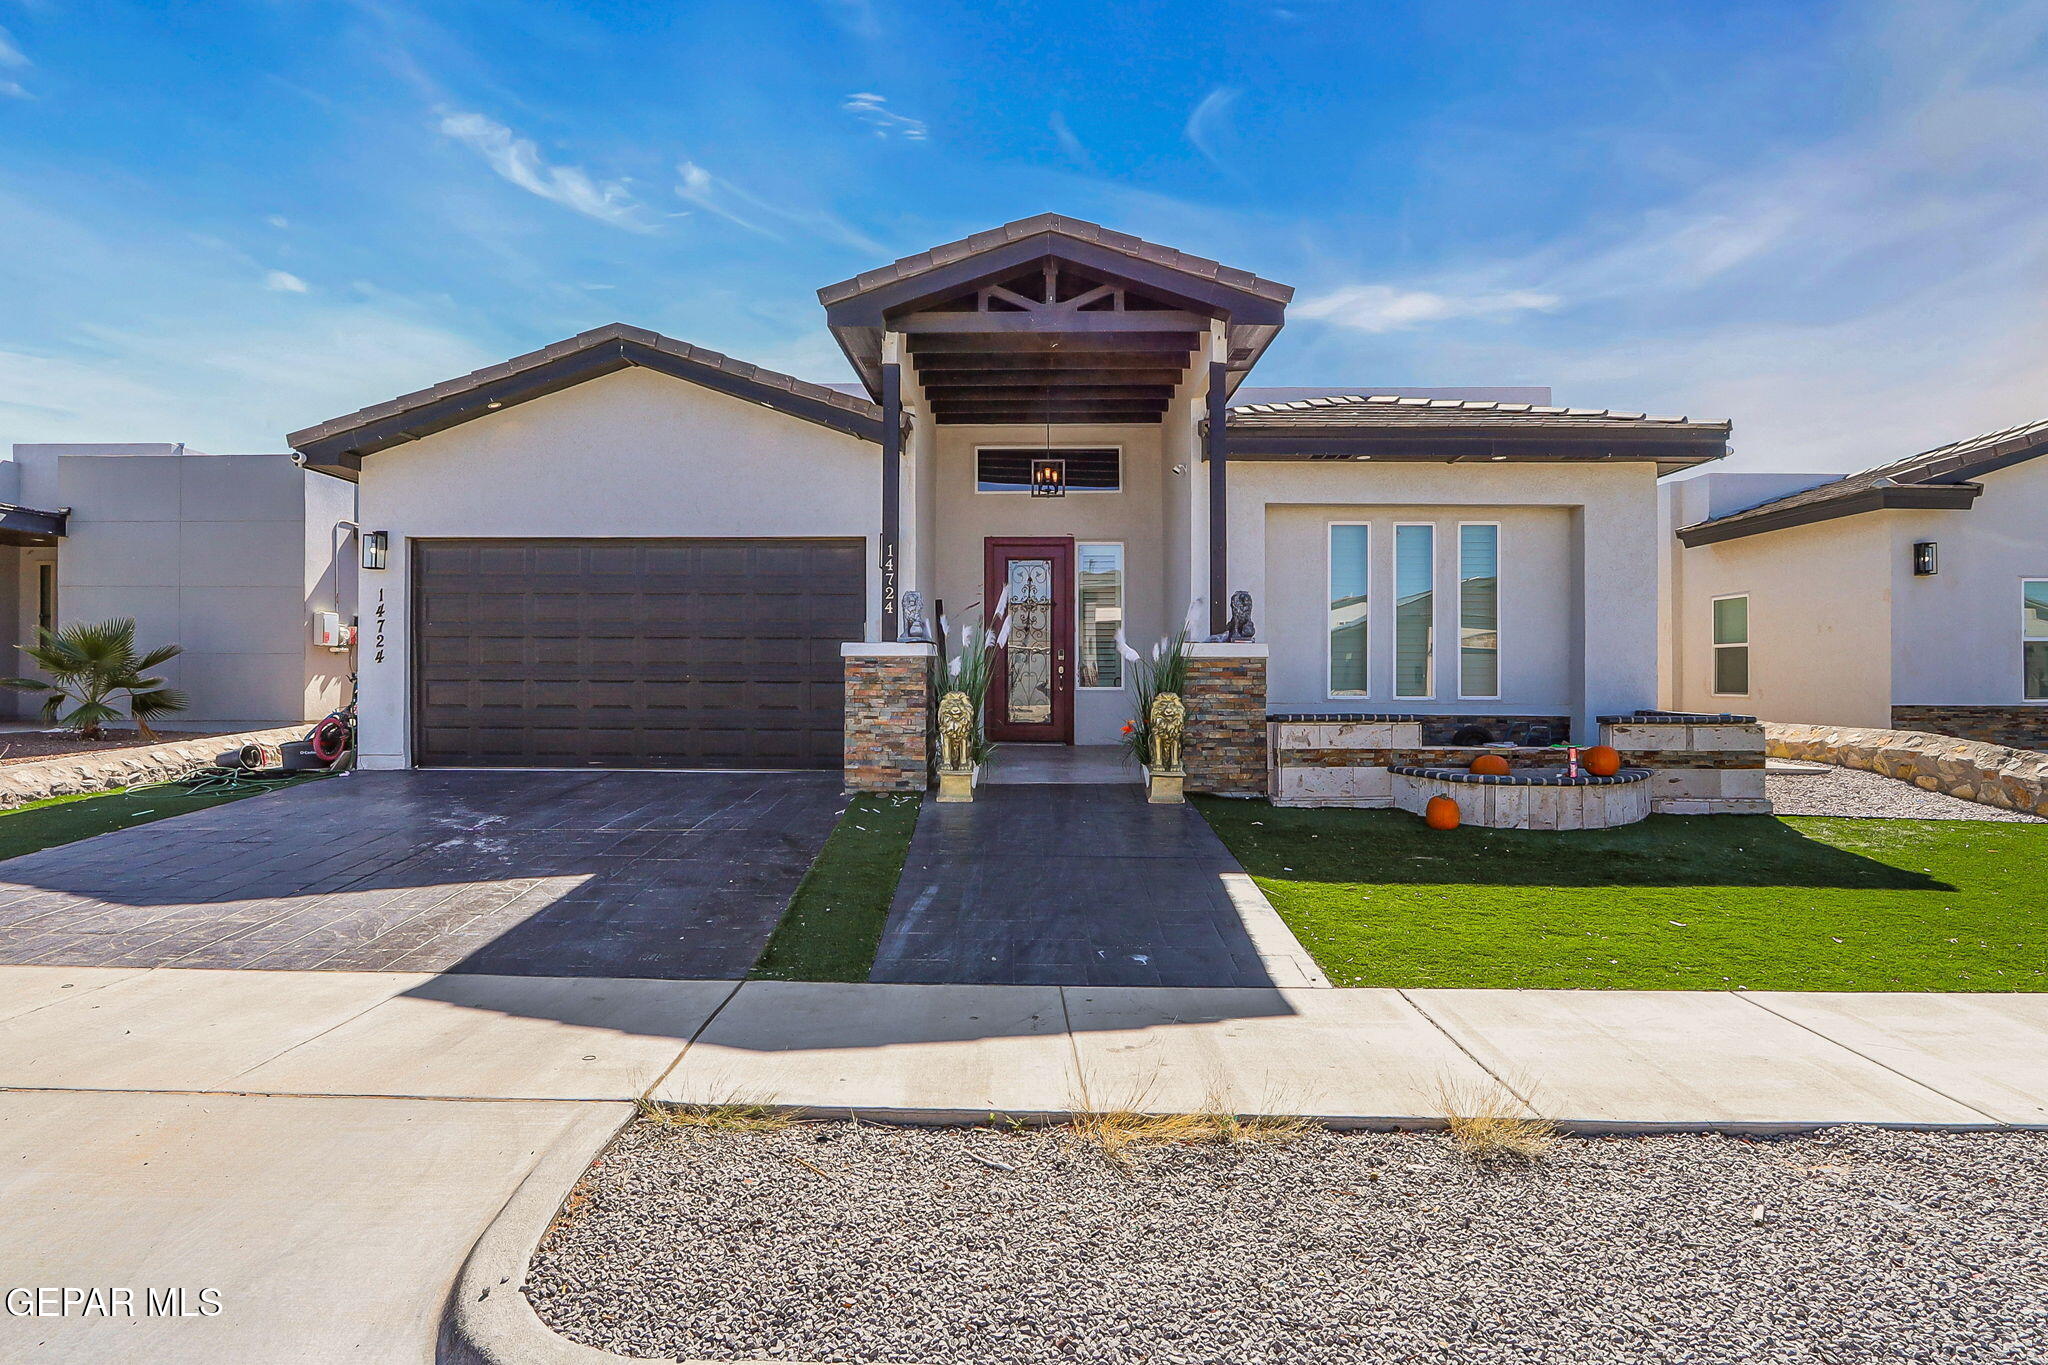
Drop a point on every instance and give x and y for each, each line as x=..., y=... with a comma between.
x=1602, y=760
x=1490, y=765
x=1440, y=813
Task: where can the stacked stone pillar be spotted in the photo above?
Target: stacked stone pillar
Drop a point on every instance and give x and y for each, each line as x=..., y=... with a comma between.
x=888, y=716
x=1224, y=745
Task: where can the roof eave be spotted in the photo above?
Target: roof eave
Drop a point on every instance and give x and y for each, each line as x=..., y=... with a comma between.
x=340, y=452
x=1937, y=497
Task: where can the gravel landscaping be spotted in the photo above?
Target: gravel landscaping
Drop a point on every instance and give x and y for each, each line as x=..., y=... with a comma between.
x=843, y=1242
x=1864, y=795
x=30, y=746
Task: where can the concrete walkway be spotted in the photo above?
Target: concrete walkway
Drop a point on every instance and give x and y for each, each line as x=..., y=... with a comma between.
x=1602, y=1060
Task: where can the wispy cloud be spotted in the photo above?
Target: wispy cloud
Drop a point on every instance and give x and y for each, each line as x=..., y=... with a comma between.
x=873, y=110
x=723, y=199
x=1385, y=308
x=283, y=282
x=13, y=58
x=1076, y=150
x=1844, y=301
x=858, y=17
x=519, y=160
x=1208, y=128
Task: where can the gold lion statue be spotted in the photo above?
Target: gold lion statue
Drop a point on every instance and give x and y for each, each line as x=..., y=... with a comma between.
x=956, y=732
x=1167, y=719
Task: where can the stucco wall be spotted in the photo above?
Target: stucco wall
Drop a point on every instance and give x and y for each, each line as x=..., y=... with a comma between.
x=1956, y=634
x=1135, y=516
x=630, y=454
x=218, y=553
x=1572, y=534
x=1819, y=620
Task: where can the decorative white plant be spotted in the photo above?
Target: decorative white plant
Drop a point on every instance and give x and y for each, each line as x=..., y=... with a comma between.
x=1165, y=671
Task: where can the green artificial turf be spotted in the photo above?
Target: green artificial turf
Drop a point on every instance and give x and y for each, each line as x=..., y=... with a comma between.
x=62, y=819
x=834, y=922
x=1674, y=903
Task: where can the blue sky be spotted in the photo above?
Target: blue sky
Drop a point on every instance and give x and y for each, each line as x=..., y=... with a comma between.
x=220, y=222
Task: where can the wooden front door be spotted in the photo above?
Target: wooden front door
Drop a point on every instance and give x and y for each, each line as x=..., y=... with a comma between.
x=1031, y=695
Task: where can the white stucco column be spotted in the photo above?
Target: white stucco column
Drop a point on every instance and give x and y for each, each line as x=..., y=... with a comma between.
x=1617, y=541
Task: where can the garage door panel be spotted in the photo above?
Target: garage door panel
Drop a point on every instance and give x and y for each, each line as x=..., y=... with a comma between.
x=633, y=653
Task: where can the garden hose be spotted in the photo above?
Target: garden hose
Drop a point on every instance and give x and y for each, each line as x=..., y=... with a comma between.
x=216, y=781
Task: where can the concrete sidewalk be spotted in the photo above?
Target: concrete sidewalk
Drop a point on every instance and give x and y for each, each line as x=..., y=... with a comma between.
x=273, y=1229
x=1613, y=1061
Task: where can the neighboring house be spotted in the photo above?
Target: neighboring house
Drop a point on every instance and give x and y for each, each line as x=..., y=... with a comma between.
x=1913, y=595
x=226, y=555
x=624, y=550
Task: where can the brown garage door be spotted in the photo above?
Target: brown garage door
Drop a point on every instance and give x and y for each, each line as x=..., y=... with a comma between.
x=632, y=653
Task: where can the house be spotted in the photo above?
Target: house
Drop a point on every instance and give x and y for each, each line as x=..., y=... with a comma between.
x=624, y=550
x=230, y=556
x=1912, y=595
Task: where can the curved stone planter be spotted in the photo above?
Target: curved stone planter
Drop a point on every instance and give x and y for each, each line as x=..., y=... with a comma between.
x=106, y=769
x=1534, y=798
x=1991, y=774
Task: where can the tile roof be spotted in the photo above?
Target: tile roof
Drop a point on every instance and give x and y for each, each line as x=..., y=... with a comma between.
x=1078, y=229
x=765, y=379
x=1950, y=466
x=1379, y=411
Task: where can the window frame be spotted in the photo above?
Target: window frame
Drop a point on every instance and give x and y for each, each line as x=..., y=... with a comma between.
x=1330, y=692
x=2025, y=640
x=1123, y=602
x=974, y=473
x=1499, y=616
x=1429, y=660
x=1714, y=647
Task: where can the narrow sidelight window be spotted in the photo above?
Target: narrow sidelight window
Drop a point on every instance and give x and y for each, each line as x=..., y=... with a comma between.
x=2034, y=638
x=1100, y=575
x=1479, y=611
x=1731, y=646
x=46, y=596
x=1414, y=610
x=1349, y=545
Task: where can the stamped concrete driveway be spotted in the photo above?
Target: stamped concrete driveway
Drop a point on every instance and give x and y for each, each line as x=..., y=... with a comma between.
x=620, y=874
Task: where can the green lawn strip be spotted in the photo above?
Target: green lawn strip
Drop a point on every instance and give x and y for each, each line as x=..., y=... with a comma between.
x=834, y=922
x=1673, y=903
x=62, y=819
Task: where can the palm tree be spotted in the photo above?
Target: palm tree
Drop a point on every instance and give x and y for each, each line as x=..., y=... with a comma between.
x=92, y=668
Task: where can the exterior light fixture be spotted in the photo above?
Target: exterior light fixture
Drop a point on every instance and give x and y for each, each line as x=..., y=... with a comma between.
x=1926, y=558
x=376, y=549
x=1048, y=478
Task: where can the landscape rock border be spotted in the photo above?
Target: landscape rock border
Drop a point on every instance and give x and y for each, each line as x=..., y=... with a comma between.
x=1989, y=774
x=488, y=1319
x=105, y=769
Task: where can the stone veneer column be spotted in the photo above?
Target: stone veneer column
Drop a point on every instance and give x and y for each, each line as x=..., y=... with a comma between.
x=888, y=716
x=1224, y=749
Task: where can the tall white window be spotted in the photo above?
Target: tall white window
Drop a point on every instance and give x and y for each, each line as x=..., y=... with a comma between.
x=1414, y=609
x=1350, y=544
x=1479, y=611
x=1100, y=588
x=2034, y=639
x=1731, y=646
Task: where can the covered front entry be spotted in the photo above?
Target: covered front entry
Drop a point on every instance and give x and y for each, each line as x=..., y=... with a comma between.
x=614, y=653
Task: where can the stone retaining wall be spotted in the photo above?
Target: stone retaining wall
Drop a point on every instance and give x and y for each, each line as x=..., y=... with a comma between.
x=106, y=769
x=1700, y=764
x=2011, y=779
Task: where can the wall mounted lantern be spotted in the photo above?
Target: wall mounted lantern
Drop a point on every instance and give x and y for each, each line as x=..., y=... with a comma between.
x=1926, y=558
x=1048, y=478
x=376, y=549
